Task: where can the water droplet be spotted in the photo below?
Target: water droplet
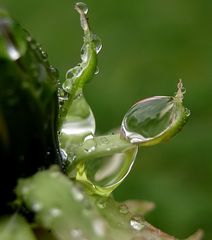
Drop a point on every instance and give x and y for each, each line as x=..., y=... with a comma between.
x=150, y=118
x=101, y=203
x=36, y=207
x=99, y=227
x=89, y=145
x=83, y=7
x=54, y=71
x=64, y=155
x=97, y=70
x=73, y=72
x=43, y=53
x=80, y=121
x=98, y=43
x=123, y=209
x=55, y=212
x=77, y=193
x=136, y=223
x=104, y=174
x=84, y=52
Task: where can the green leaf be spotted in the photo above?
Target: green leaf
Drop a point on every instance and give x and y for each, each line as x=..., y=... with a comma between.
x=15, y=228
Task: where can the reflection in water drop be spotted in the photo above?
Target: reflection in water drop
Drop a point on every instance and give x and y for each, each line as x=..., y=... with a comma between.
x=123, y=209
x=99, y=227
x=89, y=145
x=97, y=42
x=83, y=7
x=150, y=118
x=105, y=173
x=79, y=121
x=136, y=223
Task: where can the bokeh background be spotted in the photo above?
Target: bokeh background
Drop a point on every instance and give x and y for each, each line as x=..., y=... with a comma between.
x=147, y=46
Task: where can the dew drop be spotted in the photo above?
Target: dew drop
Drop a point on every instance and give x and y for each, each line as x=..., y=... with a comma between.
x=99, y=227
x=123, y=209
x=83, y=7
x=151, y=118
x=101, y=203
x=36, y=207
x=77, y=193
x=80, y=121
x=84, y=52
x=55, y=212
x=54, y=71
x=96, y=71
x=97, y=42
x=89, y=145
x=64, y=155
x=104, y=174
x=136, y=223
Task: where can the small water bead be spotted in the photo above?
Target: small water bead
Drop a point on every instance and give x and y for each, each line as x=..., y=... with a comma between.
x=83, y=7
x=36, y=207
x=99, y=227
x=89, y=145
x=97, y=70
x=64, y=155
x=84, y=52
x=55, y=212
x=136, y=223
x=150, y=118
x=101, y=203
x=123, y=209
x=97, y=42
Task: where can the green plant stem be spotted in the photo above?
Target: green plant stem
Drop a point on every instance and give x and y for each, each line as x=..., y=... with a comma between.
x=101, y=146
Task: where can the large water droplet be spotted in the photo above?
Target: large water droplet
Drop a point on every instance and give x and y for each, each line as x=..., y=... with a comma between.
x=151, y=118
x=83, y=7
x=104, y=174
x=136, y=223
x=79, y=121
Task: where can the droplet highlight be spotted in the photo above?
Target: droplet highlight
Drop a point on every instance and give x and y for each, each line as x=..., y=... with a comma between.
x=80, y=121
x=136, y=223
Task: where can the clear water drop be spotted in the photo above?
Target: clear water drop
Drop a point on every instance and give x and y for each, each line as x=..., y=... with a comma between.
x=36, y=207
x=89, y=145
x=97, y=42
x=101, y=203
x=99, y=227
x=73, y=72
x=55, y=212
x=64, y=155
x=77, y=193
x=136, y=223
x=83, y=7
x=80, y=121
x=96, y=71
x=104, y=174
x=84, y=52
x=151, y=118
x=123, y=209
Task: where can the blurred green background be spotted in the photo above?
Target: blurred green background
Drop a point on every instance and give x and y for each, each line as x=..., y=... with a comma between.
x=147, y=46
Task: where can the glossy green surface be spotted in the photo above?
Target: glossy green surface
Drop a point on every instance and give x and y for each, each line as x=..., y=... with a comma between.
x=147, y=46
